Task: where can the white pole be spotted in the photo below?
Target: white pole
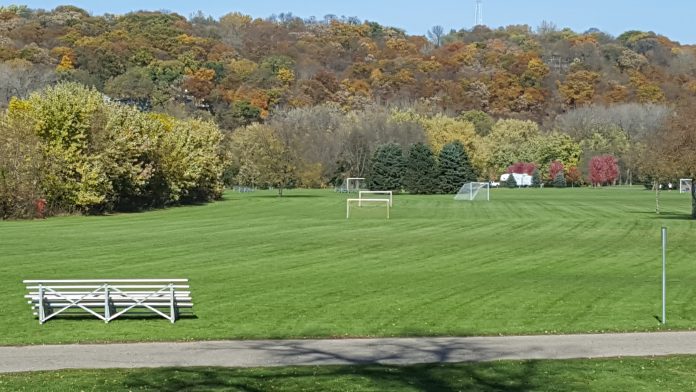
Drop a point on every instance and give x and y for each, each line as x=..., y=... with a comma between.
x=42, y=314
x=488, y=191
x=347, y=209
x=664, y=275
x=107, y=310
x=387, y=210
x=172, y=314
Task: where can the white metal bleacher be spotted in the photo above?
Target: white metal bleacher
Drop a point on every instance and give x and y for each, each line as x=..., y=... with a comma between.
x=108, y=299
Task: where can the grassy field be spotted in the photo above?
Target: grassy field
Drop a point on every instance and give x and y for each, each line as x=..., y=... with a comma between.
x=529, y=261
x=628, y=374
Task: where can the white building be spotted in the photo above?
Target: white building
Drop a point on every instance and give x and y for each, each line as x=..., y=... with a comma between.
x=521, y=179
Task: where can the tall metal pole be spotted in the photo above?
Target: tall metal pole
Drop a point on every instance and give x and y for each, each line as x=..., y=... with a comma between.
x=478, y=16
x=664, y=274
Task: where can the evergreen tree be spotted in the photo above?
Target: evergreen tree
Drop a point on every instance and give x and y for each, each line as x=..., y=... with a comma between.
x=386, y=169
x=536, y=178
x=421, y=173
x=559, y=181
x=511, y=182
x=455, y=169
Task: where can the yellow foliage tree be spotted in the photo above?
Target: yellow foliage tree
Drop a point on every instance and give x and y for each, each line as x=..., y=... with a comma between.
x=286, y=76
x=578, y=88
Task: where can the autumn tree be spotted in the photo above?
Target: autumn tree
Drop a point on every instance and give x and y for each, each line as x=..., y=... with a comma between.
x=96, y=156
x=483, y=123
x=555, y=168
x=671, y=151
x=263, y=158
x=574, y=177
x=578, y=88
x=21, y=167
x=510, y=141
x=441, y=129
x=603, y=170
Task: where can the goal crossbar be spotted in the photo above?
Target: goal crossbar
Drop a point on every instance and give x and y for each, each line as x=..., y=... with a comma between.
x=391, y=196
x=360, y=201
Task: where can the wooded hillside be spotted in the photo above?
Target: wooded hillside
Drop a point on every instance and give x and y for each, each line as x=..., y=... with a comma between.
x=239, y=69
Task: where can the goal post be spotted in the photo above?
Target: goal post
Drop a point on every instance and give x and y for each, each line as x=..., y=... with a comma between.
x=356, y=183
x=360, y=201
x=685, y=185
x=388, y=193
x=473, y=191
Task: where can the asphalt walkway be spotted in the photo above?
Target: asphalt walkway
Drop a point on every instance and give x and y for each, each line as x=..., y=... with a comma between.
x=261, y=353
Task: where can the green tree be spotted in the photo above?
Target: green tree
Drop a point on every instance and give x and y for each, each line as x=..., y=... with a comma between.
x=559, y=181
x=263, y=157
x=536, y=178
x=455, y=169
x=511, y=182
x=421, y=173
x=134, y=85
x=245, y=113
x=510, y=141
x=483, y=123
x=386, y=170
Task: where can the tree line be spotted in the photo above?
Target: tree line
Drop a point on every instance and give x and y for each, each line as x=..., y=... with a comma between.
x=419, y=171
x=238, y=70
x=304, y=102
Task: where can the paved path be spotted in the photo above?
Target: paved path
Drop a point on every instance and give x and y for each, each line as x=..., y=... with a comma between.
x=259, y=353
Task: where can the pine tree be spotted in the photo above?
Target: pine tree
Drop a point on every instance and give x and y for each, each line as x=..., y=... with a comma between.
x=455, y=169
x=511, y=182
x=559, y=180
x=421, y=173
x=536, y=178
x=386, y=169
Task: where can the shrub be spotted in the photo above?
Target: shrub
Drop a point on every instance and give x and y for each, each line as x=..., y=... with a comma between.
x=84, y=154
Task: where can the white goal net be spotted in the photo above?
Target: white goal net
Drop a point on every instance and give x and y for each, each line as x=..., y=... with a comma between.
x=352, y=184
x=474, y=191
x=685, y=185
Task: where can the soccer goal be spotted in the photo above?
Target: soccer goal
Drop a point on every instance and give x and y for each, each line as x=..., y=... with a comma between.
x=474, y=191
x=685, y=185
x=365, y=201
x=386, y=193
x=351, y=184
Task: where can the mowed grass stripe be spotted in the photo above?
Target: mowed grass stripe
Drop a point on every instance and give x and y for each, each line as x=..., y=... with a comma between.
x=529, y=261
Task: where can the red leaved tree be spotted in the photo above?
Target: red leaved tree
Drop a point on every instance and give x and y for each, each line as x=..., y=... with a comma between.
x=573, y=176
x=522, y=168
x=555, y=168
x=603, y=169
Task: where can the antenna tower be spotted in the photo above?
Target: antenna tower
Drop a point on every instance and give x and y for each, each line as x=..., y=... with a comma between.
x=478, y=18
